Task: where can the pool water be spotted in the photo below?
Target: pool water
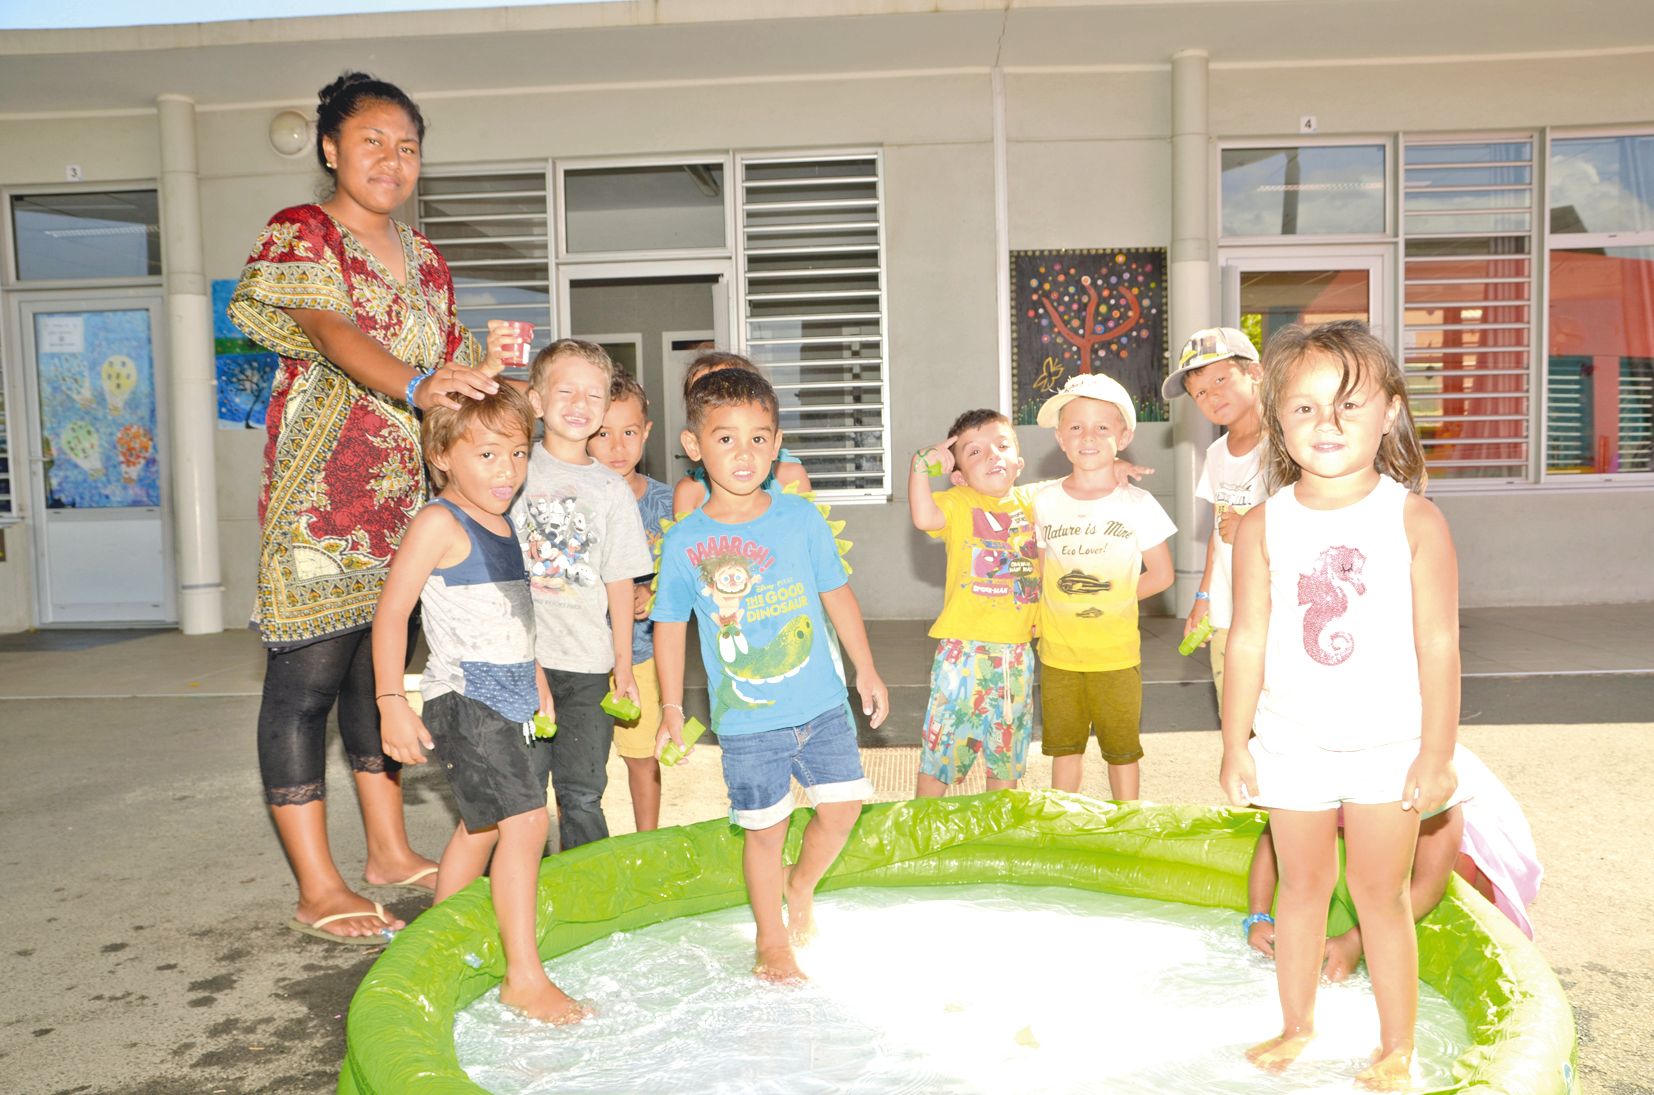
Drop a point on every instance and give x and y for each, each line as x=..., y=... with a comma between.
x=940, y=989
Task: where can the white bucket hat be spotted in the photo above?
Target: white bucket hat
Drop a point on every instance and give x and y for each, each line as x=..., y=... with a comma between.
x=1089, y=386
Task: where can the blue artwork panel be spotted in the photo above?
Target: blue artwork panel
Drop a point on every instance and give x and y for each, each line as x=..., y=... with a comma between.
x=98, y=409
x=245, y=369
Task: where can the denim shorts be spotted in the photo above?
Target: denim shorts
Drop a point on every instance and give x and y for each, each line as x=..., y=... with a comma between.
x=759, y=768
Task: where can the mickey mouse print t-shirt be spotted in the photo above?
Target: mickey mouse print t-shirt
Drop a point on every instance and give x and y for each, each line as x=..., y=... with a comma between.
x=1093, y=559
x=755, y=590
x=991, y=593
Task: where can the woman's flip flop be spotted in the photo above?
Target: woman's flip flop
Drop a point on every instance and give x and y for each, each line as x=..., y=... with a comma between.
x=409, y=883
x=377, y=940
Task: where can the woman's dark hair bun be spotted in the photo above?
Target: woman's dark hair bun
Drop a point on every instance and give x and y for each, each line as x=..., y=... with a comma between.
x=326, y=95
x=346, y=96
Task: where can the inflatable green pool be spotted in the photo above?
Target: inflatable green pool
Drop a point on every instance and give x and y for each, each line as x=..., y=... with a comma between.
x=400, y=1028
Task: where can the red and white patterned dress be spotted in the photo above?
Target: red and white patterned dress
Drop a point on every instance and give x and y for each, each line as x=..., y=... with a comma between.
x=343, y=475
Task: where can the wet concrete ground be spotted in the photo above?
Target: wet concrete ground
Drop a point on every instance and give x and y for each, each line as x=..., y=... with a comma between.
x=145, y=898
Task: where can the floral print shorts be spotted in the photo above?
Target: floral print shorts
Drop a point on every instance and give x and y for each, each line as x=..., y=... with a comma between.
x=979, y=705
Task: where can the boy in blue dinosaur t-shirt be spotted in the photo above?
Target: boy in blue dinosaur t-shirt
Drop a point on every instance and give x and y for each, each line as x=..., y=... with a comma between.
x=761, y=573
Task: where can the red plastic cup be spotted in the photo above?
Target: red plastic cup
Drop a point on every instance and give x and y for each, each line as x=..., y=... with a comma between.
x=518, y=354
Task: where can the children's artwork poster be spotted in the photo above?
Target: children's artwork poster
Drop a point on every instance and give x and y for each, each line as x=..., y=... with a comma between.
x=97, y=409
x=245, y=369
x=1088, y=311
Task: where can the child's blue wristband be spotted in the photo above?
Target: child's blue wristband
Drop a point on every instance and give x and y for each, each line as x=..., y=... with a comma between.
x=1200, y=594
x=407, y=396
x=1255, y=918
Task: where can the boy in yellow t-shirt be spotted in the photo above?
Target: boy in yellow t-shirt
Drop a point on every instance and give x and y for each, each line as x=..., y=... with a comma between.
x=1104, y=549
x=982, y=677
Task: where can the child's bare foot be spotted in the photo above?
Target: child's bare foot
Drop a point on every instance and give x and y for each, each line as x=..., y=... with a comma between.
x=542, y=1000
x=777, y=964
x=356, y=916
x=1275, y=1054
x=1391, y=1072
x=409, y=872
x=1343, y=954
x=801, y=903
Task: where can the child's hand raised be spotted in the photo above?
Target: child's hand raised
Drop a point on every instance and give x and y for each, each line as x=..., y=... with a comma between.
x=1430, y=783
x=1238, y=776
x=402, y=733
x=931, y=457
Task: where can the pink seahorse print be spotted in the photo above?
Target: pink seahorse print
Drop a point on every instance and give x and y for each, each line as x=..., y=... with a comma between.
x=1320, y=591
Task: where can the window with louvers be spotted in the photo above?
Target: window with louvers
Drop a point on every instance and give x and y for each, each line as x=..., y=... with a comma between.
x=1468, y=315
x=812, y=279
x=493, y=231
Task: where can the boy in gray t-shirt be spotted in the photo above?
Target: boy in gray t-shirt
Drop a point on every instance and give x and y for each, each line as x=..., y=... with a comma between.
x=583, y=544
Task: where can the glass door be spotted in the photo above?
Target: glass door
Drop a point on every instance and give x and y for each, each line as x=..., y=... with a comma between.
x=98, y=455
x=1263, y=292
x=669, y=308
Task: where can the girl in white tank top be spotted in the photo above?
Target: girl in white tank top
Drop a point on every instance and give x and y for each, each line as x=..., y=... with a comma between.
x=1343, y=661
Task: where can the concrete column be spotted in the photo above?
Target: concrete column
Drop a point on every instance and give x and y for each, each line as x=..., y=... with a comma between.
x=191, y=377
x=1191, y=305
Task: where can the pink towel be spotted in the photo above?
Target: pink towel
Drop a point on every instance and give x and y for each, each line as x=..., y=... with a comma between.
x=1497, y=838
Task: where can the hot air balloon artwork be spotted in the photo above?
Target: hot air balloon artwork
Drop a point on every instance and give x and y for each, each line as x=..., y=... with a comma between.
x=99, y=421
x=79, y=386
x=133, y=446
x=79, y=442
x=120, y=376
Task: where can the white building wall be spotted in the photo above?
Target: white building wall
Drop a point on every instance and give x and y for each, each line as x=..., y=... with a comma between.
x=1088, y=164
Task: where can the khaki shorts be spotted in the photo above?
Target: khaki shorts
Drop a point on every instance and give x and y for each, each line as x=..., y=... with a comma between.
x=637, y=739
x=1074, y=704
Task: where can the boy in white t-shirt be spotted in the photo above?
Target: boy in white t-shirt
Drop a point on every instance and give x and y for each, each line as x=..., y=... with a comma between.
x=1219, y=370
x=1104, y=550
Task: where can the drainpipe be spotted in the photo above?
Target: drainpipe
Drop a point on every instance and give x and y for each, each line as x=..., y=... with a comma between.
x=1002, y=245
x=191, y=377
x=1190, y=299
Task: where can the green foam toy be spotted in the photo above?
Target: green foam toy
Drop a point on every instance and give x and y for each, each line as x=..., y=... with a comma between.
x=543, y=726
x=692, y=731
x=621, y=707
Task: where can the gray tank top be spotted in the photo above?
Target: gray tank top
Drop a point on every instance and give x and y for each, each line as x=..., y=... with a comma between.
x=479, y=624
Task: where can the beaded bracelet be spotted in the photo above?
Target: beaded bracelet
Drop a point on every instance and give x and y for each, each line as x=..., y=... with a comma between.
x=1202, y=595
x=407, y=396
x=1255, y=918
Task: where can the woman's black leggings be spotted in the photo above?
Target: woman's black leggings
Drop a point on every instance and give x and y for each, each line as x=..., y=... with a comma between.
x=301, y=686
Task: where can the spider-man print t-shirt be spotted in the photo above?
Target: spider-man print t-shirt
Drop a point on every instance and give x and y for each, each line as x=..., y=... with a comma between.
x=1093, y=557
x=1341, y=669
x=754, y=588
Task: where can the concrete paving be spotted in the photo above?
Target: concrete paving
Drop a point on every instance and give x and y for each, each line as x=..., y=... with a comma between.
x=146, y=894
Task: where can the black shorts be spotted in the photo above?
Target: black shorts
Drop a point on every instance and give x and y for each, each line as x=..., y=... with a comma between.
x=494, y=773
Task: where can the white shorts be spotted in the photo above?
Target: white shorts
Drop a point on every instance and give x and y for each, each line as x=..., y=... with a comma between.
x=1324, y=779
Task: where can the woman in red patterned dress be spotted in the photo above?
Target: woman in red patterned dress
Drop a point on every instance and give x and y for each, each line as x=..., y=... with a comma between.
x=361, y=310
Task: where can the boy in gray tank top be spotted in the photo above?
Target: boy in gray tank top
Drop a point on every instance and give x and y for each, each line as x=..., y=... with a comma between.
x=461, y=560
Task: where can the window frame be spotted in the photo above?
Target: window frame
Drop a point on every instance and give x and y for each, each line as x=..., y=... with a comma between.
x=1537, y=319
x=1547, y=479
x=1388, y=141
x=8, y=242
x=558, y=226
x=14, y=385
x=562, y=264
x=838, y=496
